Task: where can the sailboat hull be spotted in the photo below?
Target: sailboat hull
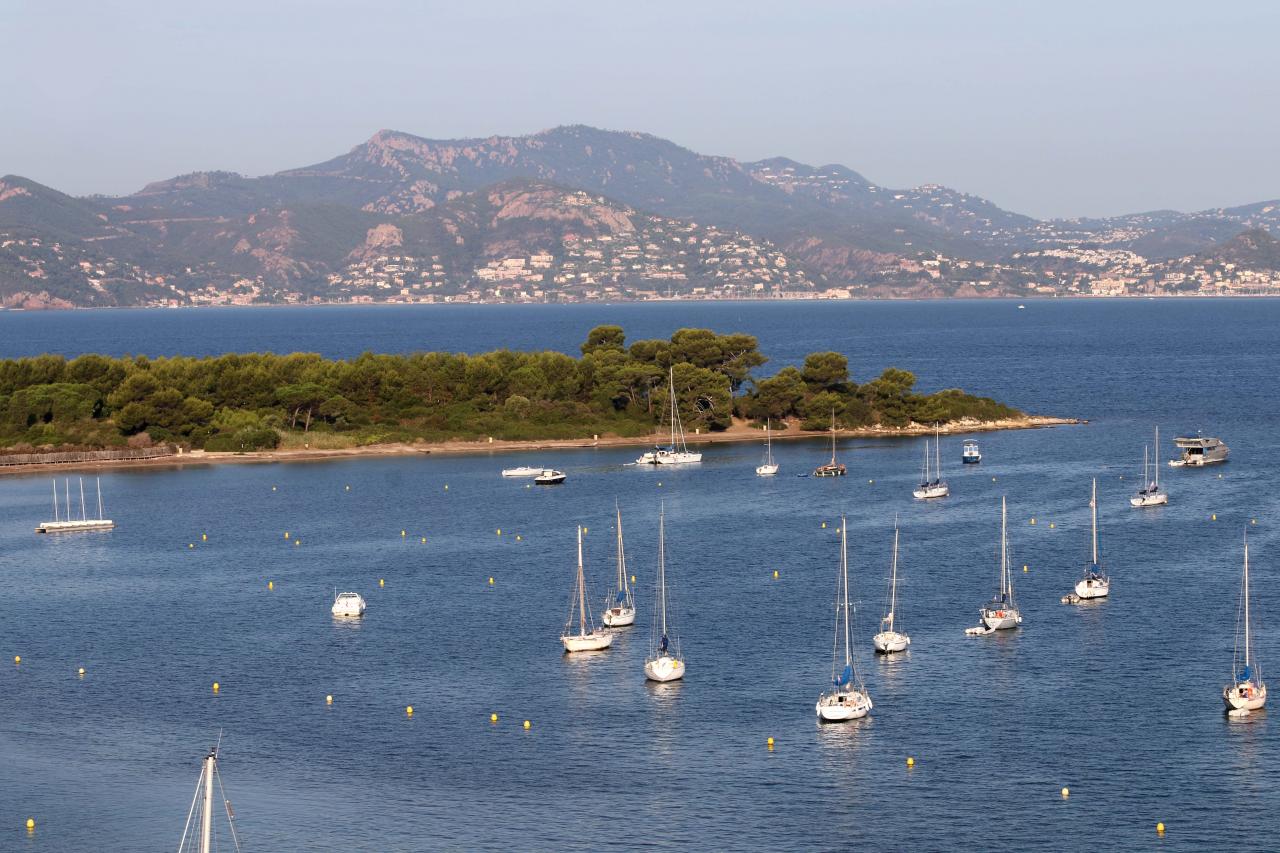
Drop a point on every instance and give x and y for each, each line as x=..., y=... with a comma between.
x=619, y=617
x=593, y=642
x=664, y=668
x=888, y=642
x=925, y=493
x=842, y=705
x=1157, y=499
x=1093, y=588
x=766, y=470
x=1245, y=696
x=1001, y=620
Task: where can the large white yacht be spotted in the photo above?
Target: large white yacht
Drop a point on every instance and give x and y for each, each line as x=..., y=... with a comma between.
x=1198, y=450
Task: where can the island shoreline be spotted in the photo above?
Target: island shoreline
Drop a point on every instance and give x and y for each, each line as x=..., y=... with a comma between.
x=739, y=433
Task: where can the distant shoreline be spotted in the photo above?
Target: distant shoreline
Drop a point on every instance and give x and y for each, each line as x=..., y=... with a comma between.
x=736, y=434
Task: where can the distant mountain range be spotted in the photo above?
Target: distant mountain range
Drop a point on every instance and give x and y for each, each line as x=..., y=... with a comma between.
x=577, y=213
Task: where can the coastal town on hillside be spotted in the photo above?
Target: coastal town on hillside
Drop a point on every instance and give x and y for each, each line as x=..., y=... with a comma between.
x=672, y=260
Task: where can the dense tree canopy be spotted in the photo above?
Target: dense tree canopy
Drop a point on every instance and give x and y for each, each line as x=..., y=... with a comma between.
x=242, y=402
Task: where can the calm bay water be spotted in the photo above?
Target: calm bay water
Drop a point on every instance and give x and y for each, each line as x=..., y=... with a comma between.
x=1118, y=701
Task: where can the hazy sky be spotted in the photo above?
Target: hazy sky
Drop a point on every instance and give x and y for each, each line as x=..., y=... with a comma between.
x=1049, y=108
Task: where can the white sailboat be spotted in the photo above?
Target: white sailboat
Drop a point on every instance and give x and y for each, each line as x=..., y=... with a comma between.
x=890, y=639
x=832, y=468
x=589, y=638
x=677, y=452
x=664, y=662
x=198, y=835
x=1000, y=613
x=1247, y=691
x=67, y=522
x=847, y=699
x=769, y=468
x=1095, y=583
x=1150, y=494
x=621, y=610
x=932, y=486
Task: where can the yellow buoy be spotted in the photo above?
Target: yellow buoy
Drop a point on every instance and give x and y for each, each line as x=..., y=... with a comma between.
x=527, y=724
x=490, y=581
x=286, y=534
x=498, y=531
x=870, y=481
x=446, y=487
x=584, y=530
x=328, y=699
x=17, y=658
x=1066, y=792
x=1253, y=521
x=382, y=581
x=191, y=544
x=31, y=823
x=775, y=574
x=402, y=534
x=1033, y=521
x=633, y=578
x=216, y=687
x=80, y=672
x=911, y=762
x=517, y=537
x=824, y=525
x=408, y=710
x=1051, y=525
x=204, y=537
x=1213, y=517
x=297, y=542
x=424, y=539
x=659, y=482
x=493, y=718
x=769, y=743
x=1160, y=828
x=271, y=584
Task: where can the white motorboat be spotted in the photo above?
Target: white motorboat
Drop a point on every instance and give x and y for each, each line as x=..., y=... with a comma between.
x=847, y=698
x=768, y=468
x=832, y=468
x=65, y=522
x=1150, y=494
x=620, y=611
x=347, y=604
x=522, y=471
x=549, y=477
x=677, y=452
x=1095, y=583
x=970, y=455
x=664, y=662
x=1247, y=691
x=890, y=639
x=1198, y=451
x=1001, y=613
x=931, y=483
x=589, y=638
x=198, y=834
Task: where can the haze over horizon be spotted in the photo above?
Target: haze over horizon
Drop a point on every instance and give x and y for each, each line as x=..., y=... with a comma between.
x=1113, y=109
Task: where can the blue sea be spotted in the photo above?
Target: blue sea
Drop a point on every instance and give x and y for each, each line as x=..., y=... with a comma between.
x=1118, y=701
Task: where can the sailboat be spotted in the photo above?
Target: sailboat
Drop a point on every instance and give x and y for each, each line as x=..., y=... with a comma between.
x=589, y=638
x=677, y=452
x=1246, y=692
x=1000, y=612
x=1095, y=583
x=932, y=488
x=832, y=468
x=198, y=835
x=769, y=468
x=1150, y=494
x=890, y=639
x=663, y=663
x=621, y=610
x=847, y=699
x=66, y=522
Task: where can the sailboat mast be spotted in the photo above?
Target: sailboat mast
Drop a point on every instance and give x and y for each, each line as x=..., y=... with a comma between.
x=893, y=579
x=1093, y=508
x=622, y=560
x=83, y=516
x=768, y=444
x=67, y=490
x=1157, y=457
x=844, y=574
x=101, y=514
x=937, y=446
x=1004, y=547
x=206, y=816
x=582, y=589
x=55, y=498
x=662, y=568
x=1246, y=599
x=833, y=436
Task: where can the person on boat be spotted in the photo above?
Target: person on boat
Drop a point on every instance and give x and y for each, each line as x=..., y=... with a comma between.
x=663, y=644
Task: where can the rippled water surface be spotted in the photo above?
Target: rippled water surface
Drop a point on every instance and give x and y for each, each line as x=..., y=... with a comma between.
x=1118, y=701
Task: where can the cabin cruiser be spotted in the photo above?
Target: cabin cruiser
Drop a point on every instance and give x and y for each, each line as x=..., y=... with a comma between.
x=348, y=604
x=549, y=477
x=522, y=471
x=971, y=455
x=1199, y=451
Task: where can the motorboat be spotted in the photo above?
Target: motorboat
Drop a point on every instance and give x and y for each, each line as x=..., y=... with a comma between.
x=522, y=471
x=588, y=637
x=970, y=455
x=347, y=604
x=664, y=661
x=64, y=521
x=1150, y=494
x=1247, y=691
x=1198, y=451
x=847, y=698
x=549, y=477
x=1095, y=583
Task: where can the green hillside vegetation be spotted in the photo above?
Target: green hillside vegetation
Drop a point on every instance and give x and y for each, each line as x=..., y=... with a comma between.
x=263, y=400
